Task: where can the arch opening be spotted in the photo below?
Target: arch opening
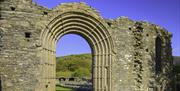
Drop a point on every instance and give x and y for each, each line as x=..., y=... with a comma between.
x=93, y=31
x=73, y=63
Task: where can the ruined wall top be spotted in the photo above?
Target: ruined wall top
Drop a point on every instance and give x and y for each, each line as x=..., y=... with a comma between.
x=16, y=2
x=80, y=6
x=73, y=7
x=21, y=6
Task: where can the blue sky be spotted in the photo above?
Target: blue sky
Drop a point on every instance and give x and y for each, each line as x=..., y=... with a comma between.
x=165, y=13
x=72, y=44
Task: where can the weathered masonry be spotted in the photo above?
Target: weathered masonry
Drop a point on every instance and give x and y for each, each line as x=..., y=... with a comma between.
x=127, y=55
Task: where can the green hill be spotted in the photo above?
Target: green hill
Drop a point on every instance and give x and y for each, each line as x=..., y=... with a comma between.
x=74, y=66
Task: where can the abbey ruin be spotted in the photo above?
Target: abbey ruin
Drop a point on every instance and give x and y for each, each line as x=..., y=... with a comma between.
x=127, y=55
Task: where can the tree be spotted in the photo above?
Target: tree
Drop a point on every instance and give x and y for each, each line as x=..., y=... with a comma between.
x=81, y=72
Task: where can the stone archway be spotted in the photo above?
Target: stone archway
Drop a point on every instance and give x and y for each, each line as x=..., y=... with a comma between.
x=91, y=29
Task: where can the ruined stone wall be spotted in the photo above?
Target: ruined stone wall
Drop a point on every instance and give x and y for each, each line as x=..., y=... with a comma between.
x=135, y=62
x=19, y=30
x=122, y=69
x=142, y=58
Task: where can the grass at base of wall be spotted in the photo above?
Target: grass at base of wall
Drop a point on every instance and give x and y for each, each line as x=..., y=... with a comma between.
x=59, y=88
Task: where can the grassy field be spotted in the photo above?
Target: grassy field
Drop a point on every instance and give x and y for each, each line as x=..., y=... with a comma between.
x=58, y=88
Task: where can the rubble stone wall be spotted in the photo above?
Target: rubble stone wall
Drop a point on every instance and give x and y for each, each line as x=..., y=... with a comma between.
x=128, y=55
